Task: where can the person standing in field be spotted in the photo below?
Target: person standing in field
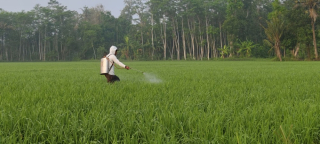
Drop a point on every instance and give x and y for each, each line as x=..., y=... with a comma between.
x=107, y=65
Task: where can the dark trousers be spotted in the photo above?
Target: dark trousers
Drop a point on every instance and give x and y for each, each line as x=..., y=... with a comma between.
x=111, y=78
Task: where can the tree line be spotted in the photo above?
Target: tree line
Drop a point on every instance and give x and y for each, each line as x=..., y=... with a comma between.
x=164, y=30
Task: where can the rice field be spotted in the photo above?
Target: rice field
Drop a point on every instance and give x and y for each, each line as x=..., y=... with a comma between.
x=172, y=102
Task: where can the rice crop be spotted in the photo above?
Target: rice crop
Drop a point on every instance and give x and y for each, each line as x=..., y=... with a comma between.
x=172, y=102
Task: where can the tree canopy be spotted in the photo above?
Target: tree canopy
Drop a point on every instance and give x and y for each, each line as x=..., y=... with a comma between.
x=164, y=30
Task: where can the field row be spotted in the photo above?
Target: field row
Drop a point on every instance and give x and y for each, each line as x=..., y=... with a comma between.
x=173, y=102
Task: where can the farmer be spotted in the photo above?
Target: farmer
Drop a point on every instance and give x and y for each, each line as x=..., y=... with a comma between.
x=107, y=65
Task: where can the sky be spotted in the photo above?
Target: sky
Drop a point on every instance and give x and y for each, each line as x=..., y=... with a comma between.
x=115, y=6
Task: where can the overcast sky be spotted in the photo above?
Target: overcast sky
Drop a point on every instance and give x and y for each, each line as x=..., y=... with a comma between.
x=115, y=6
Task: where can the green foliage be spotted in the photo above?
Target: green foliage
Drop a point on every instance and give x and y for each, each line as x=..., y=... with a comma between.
x=155, y=28
x=101, y=50
x=233, y=20
x=245, y=48
x=261, y=51
x=276, y=27
x=277, y=10
x=228, y=102
x=224, y=52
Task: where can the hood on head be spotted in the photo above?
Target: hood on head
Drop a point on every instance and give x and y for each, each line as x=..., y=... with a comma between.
x=113, y=50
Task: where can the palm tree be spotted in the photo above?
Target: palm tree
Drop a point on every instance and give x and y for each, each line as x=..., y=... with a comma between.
x=274, y=32
x=224, y=51
x=312, y=6
x=246, y=47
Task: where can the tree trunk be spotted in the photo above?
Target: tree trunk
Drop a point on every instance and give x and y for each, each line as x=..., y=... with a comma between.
x=62, y=51
x=40, y=55
x=94, y=52
x=225, y=38
x=297, y=50
x=20, y=45
x=4, y=45
x=2, y=49
x=231, y=44
x=201, y=40
x=188, y=45
x=183, y=41
x=197, y=48
x=173, y=37
x=45, y=42
x=215, y=53
x=164, y=39
x=220, y=35
x=171, y=52
x=30, y=52
x=57, y=47
x=192, y=37
x=208, y=42
x=314, y=40
x=142, y=42
x=277, y=48
x=152, y=41
x=23, y=52
x=178, y=40
x=141, y=31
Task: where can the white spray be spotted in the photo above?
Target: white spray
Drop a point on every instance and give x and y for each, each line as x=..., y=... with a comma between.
x=152, y=78
x=149, y=77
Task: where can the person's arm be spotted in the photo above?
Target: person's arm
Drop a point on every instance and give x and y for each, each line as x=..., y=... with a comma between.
x=114, y=58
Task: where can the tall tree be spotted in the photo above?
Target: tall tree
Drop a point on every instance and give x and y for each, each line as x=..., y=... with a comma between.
x=275, y=28
x=5, y=26
x=312, y=6
x=234, y=21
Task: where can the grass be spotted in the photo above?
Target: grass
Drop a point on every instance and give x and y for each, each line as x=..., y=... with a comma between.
x=195, y=102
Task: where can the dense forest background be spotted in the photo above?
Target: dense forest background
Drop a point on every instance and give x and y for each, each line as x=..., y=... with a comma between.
x=164, y=30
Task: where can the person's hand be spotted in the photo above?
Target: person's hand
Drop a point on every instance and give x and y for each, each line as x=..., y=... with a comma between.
x=127, y=67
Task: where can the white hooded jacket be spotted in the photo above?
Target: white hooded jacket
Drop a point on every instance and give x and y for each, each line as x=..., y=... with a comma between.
x=109, y=60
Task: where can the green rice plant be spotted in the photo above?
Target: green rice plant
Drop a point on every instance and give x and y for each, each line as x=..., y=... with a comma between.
x=193, y=102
